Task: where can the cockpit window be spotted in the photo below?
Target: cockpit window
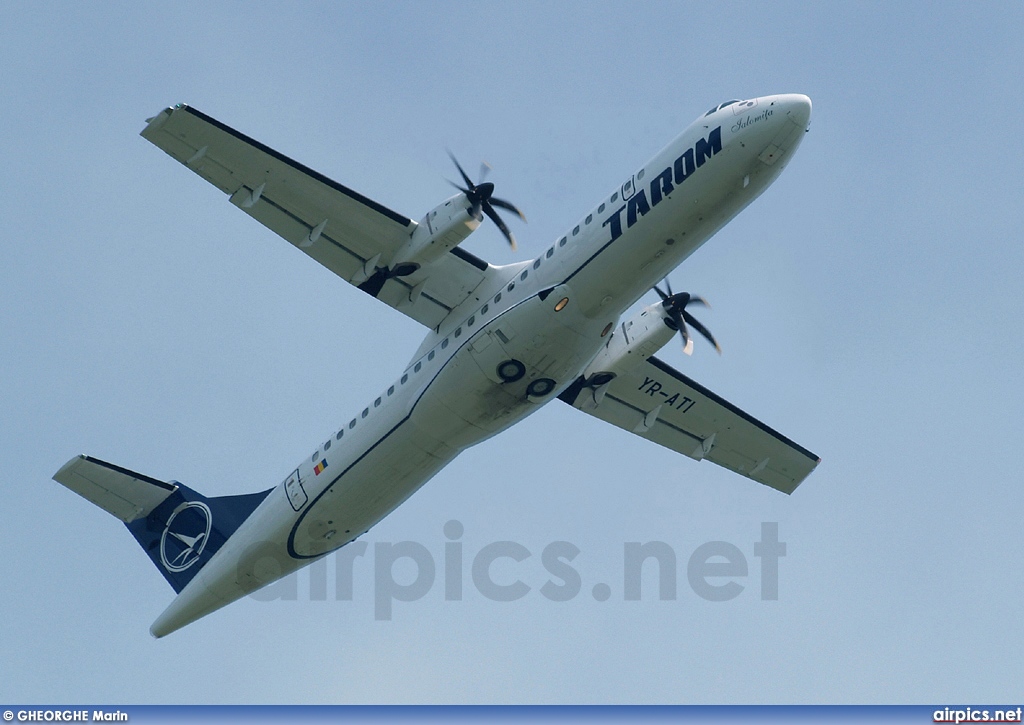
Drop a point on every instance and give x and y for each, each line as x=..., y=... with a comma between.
x=720, y=107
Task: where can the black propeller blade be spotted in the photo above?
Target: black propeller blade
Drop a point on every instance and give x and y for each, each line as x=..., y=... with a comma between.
x=676, y=305
x=480, y=196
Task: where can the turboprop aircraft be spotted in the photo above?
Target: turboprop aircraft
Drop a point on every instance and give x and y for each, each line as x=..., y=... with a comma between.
x=501, y=341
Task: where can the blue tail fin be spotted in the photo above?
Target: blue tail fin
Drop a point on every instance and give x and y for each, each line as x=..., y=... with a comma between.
x=187, y=529
x=178, y=528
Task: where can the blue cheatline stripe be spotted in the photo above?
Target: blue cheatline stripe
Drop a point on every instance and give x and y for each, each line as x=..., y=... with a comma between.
x=144, y=714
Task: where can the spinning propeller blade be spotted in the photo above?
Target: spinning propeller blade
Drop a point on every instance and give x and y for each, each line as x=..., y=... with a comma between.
x=481, y=197
x=675, y=305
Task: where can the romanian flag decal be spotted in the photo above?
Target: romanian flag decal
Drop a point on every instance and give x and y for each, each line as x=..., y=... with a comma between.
x=319, y=468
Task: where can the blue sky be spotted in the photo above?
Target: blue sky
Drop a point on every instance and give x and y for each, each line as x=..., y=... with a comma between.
x=869, y=307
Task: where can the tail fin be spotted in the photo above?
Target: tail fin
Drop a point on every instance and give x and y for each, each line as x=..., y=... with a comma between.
x=177, y=527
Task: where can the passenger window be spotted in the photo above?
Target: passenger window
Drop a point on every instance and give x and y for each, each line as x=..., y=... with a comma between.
x=497, y=298
x=366, y=412
x=600, y=209
x=615, y=197
x=327, y=445
x=562, y=241
x=523, y=275
x=417, y=368
x=352, y=424
x=511, y=286
x=576, y=230
x=313, y=459
x=391, y=391
x=458, y=332
x=640, y=175
x=444, y=343
x=404, y=379
x=550, y=252
x=376, y=403
x=536, y=265
x=340, y=434
x=430, y=355
x=590, y=218
x=483, y=310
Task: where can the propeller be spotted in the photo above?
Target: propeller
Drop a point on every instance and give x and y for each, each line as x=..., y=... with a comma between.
x=676, y=305
x=480, y=196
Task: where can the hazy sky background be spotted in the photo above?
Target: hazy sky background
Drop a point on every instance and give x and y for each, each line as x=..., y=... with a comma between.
x=869, y=306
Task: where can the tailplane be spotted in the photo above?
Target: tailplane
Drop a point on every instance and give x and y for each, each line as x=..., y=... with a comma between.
x=178, y=528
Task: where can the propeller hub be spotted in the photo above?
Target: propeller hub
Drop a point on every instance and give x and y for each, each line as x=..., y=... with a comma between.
x=678, y=316
x=480, y=196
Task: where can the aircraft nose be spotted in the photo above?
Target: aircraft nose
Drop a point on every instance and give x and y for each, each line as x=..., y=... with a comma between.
x=798, y=108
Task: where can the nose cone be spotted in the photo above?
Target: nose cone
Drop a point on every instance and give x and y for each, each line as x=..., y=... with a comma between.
x=797, y=106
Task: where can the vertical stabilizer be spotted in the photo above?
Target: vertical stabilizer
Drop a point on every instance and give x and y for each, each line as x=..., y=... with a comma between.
x=178, y=528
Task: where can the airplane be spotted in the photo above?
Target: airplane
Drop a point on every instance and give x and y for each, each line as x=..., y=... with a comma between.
x=501, y=341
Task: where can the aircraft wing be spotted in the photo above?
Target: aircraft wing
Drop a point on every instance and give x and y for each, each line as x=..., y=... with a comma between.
x=338, y=227
x=662, y=405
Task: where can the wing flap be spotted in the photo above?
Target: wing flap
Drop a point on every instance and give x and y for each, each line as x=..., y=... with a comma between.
x=661, y=404
x=118, y=491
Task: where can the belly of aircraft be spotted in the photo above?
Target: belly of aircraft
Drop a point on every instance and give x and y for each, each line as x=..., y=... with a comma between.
x=504, y=373
x=466, y=402
x=368, y=489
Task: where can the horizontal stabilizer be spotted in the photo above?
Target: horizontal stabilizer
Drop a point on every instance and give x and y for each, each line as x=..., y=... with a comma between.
x=123, y=493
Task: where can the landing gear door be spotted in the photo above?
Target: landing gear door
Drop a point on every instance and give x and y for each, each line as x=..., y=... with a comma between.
x=296, y=494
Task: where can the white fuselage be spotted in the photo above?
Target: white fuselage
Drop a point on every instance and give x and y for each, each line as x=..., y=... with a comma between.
x=453, y=396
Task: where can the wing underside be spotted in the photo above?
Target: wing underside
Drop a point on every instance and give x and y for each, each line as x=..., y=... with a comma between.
x=338, y=227
x=661, y=404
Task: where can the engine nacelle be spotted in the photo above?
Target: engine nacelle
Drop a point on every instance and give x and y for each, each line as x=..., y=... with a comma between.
x=632, y=343
x=439, y=231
